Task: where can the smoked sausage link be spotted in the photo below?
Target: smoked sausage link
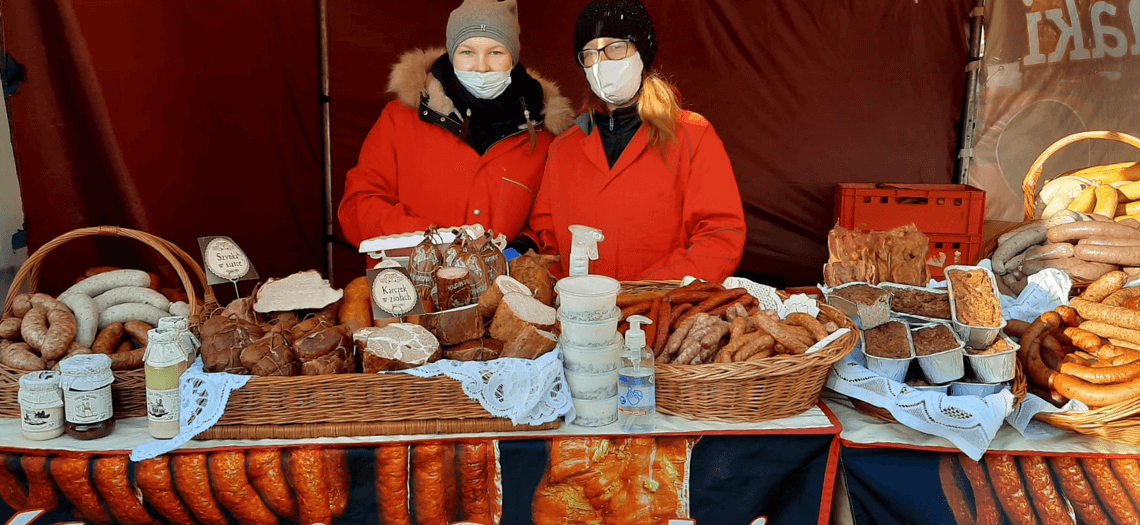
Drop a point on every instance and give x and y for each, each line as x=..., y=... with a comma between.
x=156, y=483
x=112, y=482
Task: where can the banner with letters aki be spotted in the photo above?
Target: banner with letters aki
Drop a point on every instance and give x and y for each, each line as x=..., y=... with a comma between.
x=1052, y=68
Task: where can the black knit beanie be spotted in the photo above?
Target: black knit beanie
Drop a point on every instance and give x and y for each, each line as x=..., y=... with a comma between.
x=626, y=19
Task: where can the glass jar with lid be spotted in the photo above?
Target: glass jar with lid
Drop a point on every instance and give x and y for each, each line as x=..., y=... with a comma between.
x=41, y=405
x=86, y=383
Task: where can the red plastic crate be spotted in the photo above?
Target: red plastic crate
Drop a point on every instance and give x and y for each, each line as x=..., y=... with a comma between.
x=933, y=208
x=947, y=250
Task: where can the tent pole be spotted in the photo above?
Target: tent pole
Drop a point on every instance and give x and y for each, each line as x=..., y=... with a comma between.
x=326, y=139
x=973, y=78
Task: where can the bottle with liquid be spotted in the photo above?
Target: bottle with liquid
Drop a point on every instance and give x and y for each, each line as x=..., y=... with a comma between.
x=164, y=361
x=637, y=405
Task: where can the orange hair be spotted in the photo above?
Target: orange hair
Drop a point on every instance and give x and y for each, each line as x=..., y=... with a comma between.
x=659, y=107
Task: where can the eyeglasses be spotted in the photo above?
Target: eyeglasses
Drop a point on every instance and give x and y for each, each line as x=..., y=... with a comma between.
x=616, y=50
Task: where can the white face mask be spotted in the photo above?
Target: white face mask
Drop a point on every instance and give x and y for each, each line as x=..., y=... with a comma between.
x=485, y=85
x=616, y=81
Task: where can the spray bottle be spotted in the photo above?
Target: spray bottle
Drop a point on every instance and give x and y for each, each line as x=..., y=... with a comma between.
x=583, y=248
x=637, y=405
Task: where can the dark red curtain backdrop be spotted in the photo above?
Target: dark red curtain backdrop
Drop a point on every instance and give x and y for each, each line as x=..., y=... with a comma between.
x=804, y=94
x=191, y=119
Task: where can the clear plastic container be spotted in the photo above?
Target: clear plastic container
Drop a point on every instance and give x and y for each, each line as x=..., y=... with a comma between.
x=592, y=385
x=593, y=359
x=595, y=413
x=599, y=332
x=587, y=297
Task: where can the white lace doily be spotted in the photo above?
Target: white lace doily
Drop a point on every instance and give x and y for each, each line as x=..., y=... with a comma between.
x=527, y=391
x=969, y=422
x=203, y=401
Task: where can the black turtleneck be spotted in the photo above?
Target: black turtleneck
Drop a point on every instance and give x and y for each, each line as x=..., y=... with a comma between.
x=488, y=121
x=617, y=129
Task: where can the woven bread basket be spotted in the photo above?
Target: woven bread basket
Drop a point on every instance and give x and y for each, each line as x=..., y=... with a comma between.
x=1029, y=186
x=129, y=389
x=772, y=388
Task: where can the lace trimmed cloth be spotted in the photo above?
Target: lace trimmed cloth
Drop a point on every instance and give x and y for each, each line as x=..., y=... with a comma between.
x=203, y=401
x=969, y=422
x=526, y=391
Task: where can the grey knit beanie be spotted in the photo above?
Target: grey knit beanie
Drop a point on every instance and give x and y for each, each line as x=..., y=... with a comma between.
x=494, y=19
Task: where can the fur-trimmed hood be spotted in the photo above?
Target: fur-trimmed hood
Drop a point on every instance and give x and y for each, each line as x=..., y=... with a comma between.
x=411, y=79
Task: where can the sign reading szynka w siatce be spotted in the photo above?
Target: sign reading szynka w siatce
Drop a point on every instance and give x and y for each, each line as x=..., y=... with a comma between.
x=224, y=261
x=393, y=293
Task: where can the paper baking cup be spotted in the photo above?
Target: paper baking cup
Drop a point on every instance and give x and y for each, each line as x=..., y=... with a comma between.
x=595, y=413
x=592, y=359
x=995, y=368
x=893, y=369
x=868, y=316
x=592, y=386
x=945, y=366
x=962, y=388
x=975, y=336
x=598, y=332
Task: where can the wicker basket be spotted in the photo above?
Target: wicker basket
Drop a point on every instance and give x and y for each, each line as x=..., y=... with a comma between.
x=129, y=388
x=354, y=405
x=776, y=387
x=1018, y=387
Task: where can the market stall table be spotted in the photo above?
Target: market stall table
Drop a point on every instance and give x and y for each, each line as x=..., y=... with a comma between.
x=894, y=474
x=726, y=473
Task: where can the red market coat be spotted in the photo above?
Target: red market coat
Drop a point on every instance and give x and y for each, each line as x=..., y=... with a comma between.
x=414, y=172
x=663, y=218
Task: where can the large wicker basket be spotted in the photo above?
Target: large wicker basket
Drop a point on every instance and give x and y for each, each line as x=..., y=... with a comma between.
x=776, y=387
x=129, y=389
x=354, y=405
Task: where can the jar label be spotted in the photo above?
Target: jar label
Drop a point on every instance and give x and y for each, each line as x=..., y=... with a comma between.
x=41, y=419
x=636, y=392
x=162, y=405
x=41, y=398
x=88, y=406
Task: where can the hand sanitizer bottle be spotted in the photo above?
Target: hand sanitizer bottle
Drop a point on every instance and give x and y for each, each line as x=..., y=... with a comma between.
x=637, y=407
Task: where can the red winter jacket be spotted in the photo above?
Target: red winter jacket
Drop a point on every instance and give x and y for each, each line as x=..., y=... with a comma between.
x=413, y=173
x=663, y=218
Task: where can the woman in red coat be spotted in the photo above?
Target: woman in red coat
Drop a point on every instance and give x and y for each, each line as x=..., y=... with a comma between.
x=465, y=140
x=653, y=177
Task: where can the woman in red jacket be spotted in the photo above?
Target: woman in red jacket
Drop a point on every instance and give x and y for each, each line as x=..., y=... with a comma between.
x=653, y=177
x=465, y=140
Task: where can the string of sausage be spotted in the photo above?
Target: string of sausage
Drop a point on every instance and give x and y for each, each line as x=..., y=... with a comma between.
x=1011, y=494
x=71, y=476
x=234, y=491
x=428, y=484
x=392, y=484
x=952, y=489
x=11, y=490
x=306, y=470
x=1076, y=488
x=1128, y=471
x=110, y=475
x=985, y=503
x=339, y=479
x=192, y=481
x=154, y=480
x=267, y=475
x=1046, y=499
x=474, y=481
x=1109, y=491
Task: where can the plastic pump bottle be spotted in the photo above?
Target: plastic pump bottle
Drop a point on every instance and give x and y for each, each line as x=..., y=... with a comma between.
x=637, y=405
x=583, y=248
